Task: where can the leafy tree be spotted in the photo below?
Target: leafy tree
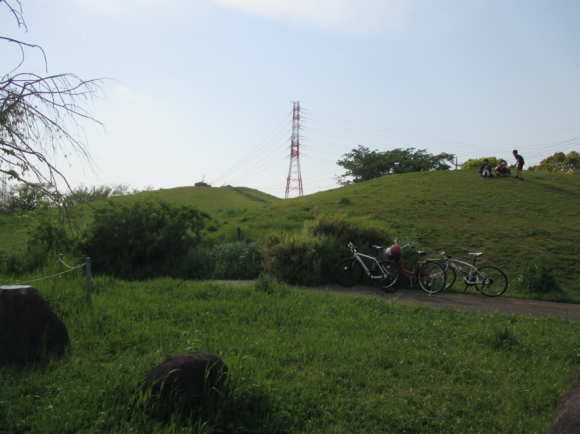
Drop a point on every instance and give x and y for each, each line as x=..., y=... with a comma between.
x=143, y=239
x=41, y=116
x=362, y=164
x=559, y=162
x=475, y=163
x=86, y=194
x=22, y=197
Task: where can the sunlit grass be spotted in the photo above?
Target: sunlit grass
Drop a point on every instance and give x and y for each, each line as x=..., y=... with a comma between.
x=299, y=361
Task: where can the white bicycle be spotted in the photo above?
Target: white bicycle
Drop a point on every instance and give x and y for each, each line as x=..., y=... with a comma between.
x=488, y=280
x=384, y=274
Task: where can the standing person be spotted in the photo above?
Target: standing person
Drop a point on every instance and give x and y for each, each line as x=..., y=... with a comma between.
x=485, y=169
x=519, y=165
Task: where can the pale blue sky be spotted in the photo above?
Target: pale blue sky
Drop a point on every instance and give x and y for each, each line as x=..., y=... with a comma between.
x=204, y=88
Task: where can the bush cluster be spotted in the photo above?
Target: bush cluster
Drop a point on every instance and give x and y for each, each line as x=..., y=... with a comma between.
x=140, y=240
x=309, y=257
x=536, y=277
x=143, y=239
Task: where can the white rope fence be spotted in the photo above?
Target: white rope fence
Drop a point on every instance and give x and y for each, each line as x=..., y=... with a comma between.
x=88, y=273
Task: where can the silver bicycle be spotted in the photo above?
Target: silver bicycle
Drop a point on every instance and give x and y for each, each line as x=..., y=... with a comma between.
x=488, y=280
x=384, y=274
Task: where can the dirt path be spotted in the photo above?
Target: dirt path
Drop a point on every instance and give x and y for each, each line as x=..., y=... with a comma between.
x=478, y=303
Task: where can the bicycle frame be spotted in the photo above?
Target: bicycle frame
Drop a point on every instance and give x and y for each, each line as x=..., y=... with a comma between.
x=349, y=271
x=358, y=256
x=473, y=270
x=408, y=274
x=472, y=278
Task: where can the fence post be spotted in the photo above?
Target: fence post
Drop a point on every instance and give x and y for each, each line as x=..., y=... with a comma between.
x=239, y=234
x=88, y=270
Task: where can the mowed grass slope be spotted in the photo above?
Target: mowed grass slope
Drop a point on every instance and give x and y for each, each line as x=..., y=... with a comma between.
x=509, y=220
x=215, y=201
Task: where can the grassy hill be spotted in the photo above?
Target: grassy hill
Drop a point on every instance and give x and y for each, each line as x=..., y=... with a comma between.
x=216, y=201
x=511, y=221
x=221, y=203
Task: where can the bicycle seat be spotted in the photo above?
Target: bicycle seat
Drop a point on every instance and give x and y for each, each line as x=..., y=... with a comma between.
x=421, y=253
x=477, y=255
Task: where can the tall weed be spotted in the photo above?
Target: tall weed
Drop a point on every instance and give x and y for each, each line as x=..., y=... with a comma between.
x=535, y=277
x=233, y=261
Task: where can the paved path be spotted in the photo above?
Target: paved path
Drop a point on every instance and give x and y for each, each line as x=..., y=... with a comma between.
x=478, y=303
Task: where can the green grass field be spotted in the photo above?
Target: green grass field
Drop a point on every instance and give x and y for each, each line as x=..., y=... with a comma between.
x=299, y=361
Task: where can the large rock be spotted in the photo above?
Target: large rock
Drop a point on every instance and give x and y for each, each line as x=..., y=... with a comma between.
x=28, y=327
x=567, y=416
x=190, y=374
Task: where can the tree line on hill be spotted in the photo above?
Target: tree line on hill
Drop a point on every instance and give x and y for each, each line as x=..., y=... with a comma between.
x=362, y=164
x=557, y=163
x=24, y=197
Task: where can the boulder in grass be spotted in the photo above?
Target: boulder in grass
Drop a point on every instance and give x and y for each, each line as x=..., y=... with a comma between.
x=567, y=416
x=28, y=327
x=188, y=375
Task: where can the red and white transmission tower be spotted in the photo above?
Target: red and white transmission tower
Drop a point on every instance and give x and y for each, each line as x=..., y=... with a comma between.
x=294, y=180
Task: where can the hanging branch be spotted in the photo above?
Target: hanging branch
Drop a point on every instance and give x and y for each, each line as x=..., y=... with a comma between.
x=42, y=117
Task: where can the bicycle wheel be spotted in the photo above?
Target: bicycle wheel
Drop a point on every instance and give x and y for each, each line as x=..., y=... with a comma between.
x=491, y=281
x=391, y=283
x=450, y=276
x=348, y=272
x=431, y=277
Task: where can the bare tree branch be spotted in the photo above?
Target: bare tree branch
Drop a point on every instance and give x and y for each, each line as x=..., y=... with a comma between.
x=42, y=117
x=16, y=12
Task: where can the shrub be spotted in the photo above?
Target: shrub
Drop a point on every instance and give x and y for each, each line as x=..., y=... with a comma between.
x=142, y=239
x=197, y=264
x=49, y=234
x=475, y=163
x=18, y=263
x=296, y=259
x=309, y=258
x=536, y=277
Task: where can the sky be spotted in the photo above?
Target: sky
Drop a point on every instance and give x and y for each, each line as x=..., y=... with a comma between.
x=203, y=90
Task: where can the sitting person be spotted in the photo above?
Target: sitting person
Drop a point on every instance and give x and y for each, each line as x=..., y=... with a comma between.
x=502, y=170
x=485, y=170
